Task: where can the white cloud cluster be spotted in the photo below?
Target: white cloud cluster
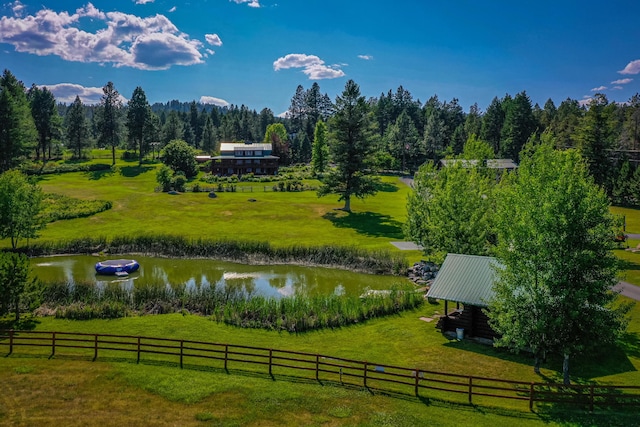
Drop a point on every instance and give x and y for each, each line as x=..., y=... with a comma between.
x=632, y=67
x=621, y=81
x=250, y=3
x=311, y=65
x=152, y=43
x=213, y=39
x=366, y=57
x=598, y=89
x=143, y=1
x=67, y=92
x=215, y=101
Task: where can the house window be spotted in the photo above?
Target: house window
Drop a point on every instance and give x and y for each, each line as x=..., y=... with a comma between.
x=240, y=162
x=258, y=153
x=258, y=170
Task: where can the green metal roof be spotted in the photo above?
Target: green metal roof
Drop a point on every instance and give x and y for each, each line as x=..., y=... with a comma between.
x=467, y=279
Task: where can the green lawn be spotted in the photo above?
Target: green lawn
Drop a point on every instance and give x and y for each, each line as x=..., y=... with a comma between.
x=68, y=391
x=278, y=217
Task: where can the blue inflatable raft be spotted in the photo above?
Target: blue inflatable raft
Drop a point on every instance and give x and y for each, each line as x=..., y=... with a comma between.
x=119, y=267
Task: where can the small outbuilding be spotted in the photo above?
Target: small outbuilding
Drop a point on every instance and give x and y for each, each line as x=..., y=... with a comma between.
x=467, y=281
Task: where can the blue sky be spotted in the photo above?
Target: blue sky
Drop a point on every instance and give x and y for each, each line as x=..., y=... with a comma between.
x=256, y=52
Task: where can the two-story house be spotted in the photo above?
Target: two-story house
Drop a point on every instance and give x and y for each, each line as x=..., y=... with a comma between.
x=240, y=158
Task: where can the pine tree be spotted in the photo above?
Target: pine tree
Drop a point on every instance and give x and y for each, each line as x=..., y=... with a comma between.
x=77, y=129
x=18, y=132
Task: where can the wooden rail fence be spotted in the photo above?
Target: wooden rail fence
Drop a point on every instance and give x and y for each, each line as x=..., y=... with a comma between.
x=374, y=376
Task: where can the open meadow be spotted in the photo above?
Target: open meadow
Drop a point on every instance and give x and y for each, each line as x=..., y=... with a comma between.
x=74, y=390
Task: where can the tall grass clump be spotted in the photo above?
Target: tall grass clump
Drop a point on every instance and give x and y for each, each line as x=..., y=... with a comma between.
x=303, y=313
x=81, y=301
x=244, y=251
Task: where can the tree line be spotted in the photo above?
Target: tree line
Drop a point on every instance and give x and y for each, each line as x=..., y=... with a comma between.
x=405, y=133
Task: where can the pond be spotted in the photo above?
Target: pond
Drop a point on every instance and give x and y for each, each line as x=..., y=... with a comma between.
x=266, y=280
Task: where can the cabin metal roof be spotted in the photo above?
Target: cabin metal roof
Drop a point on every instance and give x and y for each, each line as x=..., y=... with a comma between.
x=467, y=279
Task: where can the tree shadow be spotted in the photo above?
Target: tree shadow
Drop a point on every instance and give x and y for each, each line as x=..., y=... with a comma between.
x=98, y=175
x=367, y=223
x=133, y=171
x=26, y=323
x=611, y=360
x=387, y=187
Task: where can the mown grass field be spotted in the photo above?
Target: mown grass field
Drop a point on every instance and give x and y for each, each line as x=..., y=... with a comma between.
x=71, y=391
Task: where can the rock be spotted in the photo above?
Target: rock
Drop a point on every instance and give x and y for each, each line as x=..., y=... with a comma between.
x=212, y=195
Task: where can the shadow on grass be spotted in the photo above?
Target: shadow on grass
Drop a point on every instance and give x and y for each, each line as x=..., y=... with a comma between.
x=133, y=171
x=24, y=324
x=583, y=368
x=387, y=187
x=562, y=414
x=98, y=175
x=367, y=223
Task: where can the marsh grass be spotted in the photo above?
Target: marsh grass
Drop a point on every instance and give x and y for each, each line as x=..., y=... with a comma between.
x=299, y=313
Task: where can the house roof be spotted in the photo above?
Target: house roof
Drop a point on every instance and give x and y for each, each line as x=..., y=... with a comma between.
x=491, y=163
x=230, y=146
x=467, y=279
x=230, y=156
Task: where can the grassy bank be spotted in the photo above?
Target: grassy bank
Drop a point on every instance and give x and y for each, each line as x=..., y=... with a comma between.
x=281, y=218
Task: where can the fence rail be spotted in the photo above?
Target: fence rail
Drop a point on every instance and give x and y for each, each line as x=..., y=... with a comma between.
x=389, y=378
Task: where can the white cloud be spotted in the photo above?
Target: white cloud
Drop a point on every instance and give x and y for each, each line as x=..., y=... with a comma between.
x=366, y=57
x=144, y=1
x=284, y=115
x=17, y=7
x=585, y=101
x=213, y=39
x=250, y=3
x=215, y=101
x=151, y=43
x=210, y=51
x=617, y=88
x=311, y=65
x=173, y=9
x=621, y=81
x=598, y=89
x=67, y=92
x=632, y=67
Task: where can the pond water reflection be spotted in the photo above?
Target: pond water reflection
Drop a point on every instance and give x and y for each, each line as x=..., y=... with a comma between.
x=266, y=280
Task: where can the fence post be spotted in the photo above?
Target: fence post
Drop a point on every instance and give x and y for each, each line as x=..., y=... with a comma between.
x=11, y=332
x=417, y=372
x=270, y=359
x=53, y=344
x=226, y=355
x=317, y=367
x=365, y=374
x=95, y=347
x=591, y=398
x=138, y=360
x=531, y=390
x=470, y=390
x=181, y=352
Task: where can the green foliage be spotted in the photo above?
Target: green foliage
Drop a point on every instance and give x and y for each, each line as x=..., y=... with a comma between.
x=18, y=133
x=20, y=205
x=138, y=117
x=16, y=282
x=46, y=119
x=180, y=157
x=450, y=209
x=320, y=154
x=164, y=177
x=476, y=149
x=109, y=119
x=351, y=149
x=56, y=207
x=54, y=168
x=555, y=236
x=77, y=128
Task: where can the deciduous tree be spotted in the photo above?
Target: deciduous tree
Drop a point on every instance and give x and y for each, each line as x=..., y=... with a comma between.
x=320, y=155
x=20, y=204
x=181, y=157
x=554, y=290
